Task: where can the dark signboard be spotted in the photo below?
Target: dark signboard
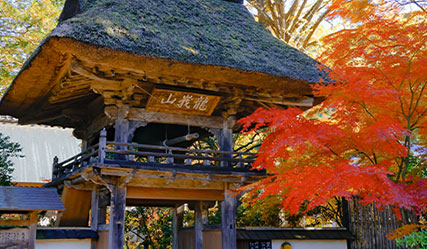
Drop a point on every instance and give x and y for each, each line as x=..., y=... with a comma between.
x=260, y=244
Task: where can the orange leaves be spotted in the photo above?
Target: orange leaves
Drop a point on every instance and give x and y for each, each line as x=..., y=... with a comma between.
x=315, y=161
x=405, y=230
x=354, y=10
x=360, y=140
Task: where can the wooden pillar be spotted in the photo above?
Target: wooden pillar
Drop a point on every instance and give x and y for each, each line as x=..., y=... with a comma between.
x=103, y=201
x=102, y=146
x=124, y=129
x=121, y=135
x=32, y=230
x=94, y=209
x=117, y=217
x=174, y=229
x=346, y=217
x=228, y=221
x=121, y=127
x=84, y=145
x=225, y=139
x=198, y=226
x=205, y=213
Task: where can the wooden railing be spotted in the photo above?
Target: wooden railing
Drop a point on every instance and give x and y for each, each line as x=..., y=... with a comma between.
x=73, y=163
x=145, y=154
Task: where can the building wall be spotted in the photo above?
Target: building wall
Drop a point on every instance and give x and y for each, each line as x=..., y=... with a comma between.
x=40, y=144
x=310, y=244
x=63, y=244
x=211, y=239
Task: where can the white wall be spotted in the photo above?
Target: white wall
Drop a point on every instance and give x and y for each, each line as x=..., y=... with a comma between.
x=310, y=244
x=64, y=244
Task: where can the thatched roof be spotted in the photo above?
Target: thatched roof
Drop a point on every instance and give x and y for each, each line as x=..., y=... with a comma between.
x=211, y=45
x=210, y=32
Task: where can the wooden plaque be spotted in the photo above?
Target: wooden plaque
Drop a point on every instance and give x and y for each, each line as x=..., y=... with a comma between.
x=178, y=102
x=14, y=238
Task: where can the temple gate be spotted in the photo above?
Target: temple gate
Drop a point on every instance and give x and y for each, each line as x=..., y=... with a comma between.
x=140, y=81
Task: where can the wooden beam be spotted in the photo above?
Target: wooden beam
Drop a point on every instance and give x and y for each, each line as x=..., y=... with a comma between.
x=174, y=194
x=15, y=222
x=95, y=125
x=140, y=114
x=42, y=118
x=306, y=102
x=111, y=84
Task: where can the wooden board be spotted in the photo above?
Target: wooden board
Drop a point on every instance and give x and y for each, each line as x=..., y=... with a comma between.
x=174, y=194
x=14, y=238
x=77, y=205
x=189, y=103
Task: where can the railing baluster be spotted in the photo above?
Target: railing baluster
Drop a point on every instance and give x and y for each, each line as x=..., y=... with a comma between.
x=102, y=146
x=170, y=159
x=75, y=165
x=150, y=159
x=206, y=162
x=240, y=163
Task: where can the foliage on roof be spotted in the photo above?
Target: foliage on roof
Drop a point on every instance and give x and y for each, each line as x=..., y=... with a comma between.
x=211, y=32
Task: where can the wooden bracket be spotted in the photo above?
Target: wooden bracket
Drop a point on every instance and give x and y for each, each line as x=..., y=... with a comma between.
x=208, y=180
x=124, y=181
x=171, y=178
x=81, y=186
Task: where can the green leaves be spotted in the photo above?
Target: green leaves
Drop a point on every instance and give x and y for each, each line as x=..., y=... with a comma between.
x=23, y=25
x=8, y=150
x=414, y=240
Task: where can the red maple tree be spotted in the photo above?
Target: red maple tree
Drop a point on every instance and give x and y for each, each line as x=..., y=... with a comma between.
x=368, y=138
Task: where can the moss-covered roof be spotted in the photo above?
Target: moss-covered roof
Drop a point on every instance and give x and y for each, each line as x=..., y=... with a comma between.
x=211, y=32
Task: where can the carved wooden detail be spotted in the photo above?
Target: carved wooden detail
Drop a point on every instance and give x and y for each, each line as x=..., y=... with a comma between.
x=169, y=101
x=81, y=89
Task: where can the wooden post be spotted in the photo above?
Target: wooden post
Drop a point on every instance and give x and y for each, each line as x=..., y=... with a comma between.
x=174, y=229
x=180, y=216
x=102, y=146
x=205, y=213
x=117, y=217
x=33, y=230
x=346, y=217
x=228, y=221
x=55, y=169
x=198, y=226
x=94, y=208
x=84, y=145
x=225, y=141
x=121, y=135
x=103, y=201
